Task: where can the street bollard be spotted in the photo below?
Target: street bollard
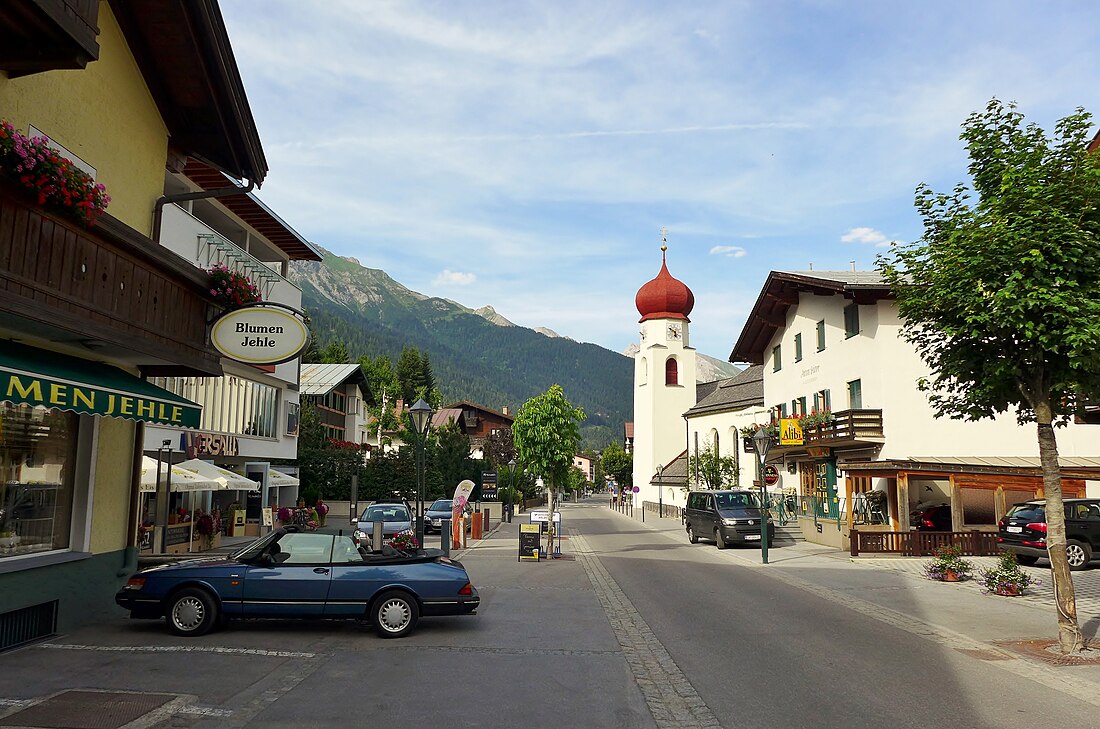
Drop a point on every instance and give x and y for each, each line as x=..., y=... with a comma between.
x=445, y=537
x=376, y=536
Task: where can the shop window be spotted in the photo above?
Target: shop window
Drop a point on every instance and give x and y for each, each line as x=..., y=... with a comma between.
x=672, y=373
x=37, y=459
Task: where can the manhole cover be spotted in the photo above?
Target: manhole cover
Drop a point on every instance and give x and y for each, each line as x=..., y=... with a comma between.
x=87, y=710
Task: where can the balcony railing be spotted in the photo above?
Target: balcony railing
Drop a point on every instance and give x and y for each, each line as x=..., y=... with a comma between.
x=847, y=425
x=215, y=249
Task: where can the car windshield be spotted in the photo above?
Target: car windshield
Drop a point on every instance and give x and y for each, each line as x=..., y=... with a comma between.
x=1031, y=512
x=440, y=505
x=385, y=512
x=742, y=500
x=256, y=548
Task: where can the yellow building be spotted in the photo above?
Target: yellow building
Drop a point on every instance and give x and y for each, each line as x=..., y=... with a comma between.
x=87, y=314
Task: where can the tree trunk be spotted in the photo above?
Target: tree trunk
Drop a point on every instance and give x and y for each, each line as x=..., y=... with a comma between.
x=1070, y=637
x=550, y=524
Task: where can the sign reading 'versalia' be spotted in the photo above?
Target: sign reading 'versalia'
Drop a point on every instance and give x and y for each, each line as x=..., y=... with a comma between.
x=260, y=334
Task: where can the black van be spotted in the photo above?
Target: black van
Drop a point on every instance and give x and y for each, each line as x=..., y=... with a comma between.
x=727, y=517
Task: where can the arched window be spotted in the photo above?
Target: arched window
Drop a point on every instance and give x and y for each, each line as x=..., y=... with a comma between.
x=643, y=376
x=672, y=373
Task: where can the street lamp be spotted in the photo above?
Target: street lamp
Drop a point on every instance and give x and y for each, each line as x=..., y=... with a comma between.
x=762, y=440
x=511, y=487
x=660, y=493
x=421, y=413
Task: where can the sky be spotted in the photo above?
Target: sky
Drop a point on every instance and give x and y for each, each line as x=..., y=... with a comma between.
x=527, y=155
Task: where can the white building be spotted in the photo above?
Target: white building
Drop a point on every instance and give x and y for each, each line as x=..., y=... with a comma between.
x=824, y=340
x=341, y=395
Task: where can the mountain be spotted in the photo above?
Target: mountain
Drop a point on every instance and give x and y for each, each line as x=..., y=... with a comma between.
x=476, y=355
x=707, y=368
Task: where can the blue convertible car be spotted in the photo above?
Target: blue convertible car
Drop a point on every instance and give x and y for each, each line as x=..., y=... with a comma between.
x=292, y=573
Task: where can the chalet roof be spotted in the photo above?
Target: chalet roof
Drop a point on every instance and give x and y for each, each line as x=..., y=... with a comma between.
x=743, y=390
x=252, y=210
x=321, y=379
x=444, y=415
x=466, y=404
x=184, y=54
x=780, y=293
x=674, y=473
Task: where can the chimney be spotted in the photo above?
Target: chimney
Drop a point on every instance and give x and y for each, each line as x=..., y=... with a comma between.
x=853, y=264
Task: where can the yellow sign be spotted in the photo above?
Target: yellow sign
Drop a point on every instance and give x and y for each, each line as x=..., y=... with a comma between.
x=790, y=431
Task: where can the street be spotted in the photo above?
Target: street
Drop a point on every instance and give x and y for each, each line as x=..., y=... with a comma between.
x=633, y=627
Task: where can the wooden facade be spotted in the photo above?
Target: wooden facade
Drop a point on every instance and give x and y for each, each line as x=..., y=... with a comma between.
x=107, y=288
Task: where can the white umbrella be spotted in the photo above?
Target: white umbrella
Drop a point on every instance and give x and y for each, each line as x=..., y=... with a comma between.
x=225, y=478
x=278, y=478
x=182, y=478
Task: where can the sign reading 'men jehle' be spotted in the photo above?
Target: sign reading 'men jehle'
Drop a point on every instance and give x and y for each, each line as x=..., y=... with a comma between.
x=260, y=334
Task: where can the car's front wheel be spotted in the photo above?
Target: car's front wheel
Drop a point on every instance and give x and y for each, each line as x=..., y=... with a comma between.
x=1078, y=554
x=191, y=612
x=394, y=614
x=719, y=539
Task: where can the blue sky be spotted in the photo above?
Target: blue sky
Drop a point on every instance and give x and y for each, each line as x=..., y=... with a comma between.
x=526, y=155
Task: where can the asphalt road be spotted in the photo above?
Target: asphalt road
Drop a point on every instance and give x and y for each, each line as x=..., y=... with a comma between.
x=634, y=628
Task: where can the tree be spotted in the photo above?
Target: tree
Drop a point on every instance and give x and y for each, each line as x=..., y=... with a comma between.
x=498, y=448
x=715, y=470
x=546, y=432
x=385, y=388
x=336, y=352
x=1001, y=296
x=414, y=373
x=619, y=465
x=325, y=469
x=450, y=456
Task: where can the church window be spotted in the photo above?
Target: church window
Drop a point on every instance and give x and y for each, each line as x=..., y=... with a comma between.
x=672, y=373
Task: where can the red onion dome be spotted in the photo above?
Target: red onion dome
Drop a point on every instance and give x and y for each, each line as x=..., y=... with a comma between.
x=664, y=297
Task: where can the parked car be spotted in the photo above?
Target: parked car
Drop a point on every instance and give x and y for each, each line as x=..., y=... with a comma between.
x=1023, y=531
x=727, y=517
x=931, y=517
x=396, y=516
x=294, y=573
x=439, y=510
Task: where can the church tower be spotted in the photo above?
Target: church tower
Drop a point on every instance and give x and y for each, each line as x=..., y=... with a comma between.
x=664, y=379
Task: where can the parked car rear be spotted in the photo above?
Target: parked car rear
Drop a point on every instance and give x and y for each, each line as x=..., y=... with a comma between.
x=931, y=518
x=1023, y=531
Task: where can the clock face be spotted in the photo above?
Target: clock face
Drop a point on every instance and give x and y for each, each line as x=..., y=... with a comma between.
x=642, y=332
x=673, y=331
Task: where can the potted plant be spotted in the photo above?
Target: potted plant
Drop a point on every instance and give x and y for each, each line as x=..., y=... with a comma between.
x=230, y=289
x=817, y=418
x=1007, y=578
x=748, y=431
x=8, y=538
x=405, y=541
x=322, y=511
x=948, y=565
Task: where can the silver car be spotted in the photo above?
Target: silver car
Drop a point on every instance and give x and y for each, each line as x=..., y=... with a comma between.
x=395, y=517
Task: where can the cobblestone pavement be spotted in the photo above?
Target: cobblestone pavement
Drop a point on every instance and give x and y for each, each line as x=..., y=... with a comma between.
x=1086, y=584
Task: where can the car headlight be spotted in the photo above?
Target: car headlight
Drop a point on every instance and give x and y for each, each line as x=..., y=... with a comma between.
x=729, y=522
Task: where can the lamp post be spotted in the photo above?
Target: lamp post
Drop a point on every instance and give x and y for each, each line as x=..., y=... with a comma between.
x=421, y=413
x=660, y=493
x=762, y=441
x=511, y=487
x=164, y=453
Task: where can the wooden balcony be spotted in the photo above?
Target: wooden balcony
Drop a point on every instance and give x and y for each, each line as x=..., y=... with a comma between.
x=108, y=289
x=848, y=429
x=47, y=35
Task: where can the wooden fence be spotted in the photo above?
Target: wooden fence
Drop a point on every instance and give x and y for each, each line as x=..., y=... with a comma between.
x=917, y=544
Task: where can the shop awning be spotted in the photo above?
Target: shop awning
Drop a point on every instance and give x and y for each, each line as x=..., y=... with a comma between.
x=31, y=376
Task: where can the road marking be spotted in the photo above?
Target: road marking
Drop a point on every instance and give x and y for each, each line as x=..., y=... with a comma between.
x=672, y=700
x=177, y=649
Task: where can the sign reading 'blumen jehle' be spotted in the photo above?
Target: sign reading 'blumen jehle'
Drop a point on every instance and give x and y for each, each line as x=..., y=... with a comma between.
x=260, y=334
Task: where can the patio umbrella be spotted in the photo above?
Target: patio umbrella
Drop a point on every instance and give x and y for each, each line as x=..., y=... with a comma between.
x=183, y=479
x=278, y=478
x=225, y=478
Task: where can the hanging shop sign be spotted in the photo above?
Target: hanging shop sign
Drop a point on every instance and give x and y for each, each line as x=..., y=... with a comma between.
x=771, y=475
x=790, y=431
x=265, y=333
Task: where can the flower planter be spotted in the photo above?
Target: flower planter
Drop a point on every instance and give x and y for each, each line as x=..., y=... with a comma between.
x=950, y=576
x=1008, y=591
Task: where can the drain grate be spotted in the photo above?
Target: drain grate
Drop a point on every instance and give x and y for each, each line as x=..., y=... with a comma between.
x=87, y=710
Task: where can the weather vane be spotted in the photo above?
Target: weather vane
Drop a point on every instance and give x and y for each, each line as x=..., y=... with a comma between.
x=664, y=239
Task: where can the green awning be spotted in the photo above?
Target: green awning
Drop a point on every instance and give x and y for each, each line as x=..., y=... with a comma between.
x=34, y=376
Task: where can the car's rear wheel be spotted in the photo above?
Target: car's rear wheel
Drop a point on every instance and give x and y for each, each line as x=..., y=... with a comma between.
x=191, y=612
x=1078, y=554
x=1026, y=559
x=719, y=539
x=394, y=614
x=691, y=535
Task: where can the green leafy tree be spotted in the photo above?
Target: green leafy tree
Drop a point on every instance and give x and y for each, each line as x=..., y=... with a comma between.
x=619, y=465
x=450, y=456
x=386, y=390
x=715, y=470
x=1001, y=295
x=498, y=448
x=546, y=433
x=324, y=469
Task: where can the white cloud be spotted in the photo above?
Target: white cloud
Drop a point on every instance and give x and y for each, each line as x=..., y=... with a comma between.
x=728, y=251
x=454, y=278
x=868, y=235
